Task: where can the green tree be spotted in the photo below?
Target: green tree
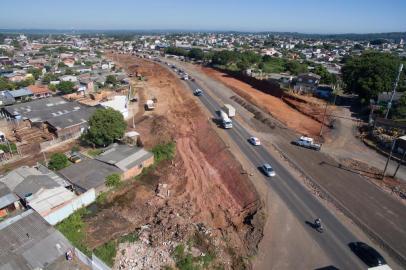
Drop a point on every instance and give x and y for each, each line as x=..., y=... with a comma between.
x=371, y=73
x=176, y=51
x=66, y=87
x=6, y=84
x=48, y=77
x=195, y=53
x=326, y=77
x=105, y=126
x=111, y=79
x=69, y=71
x=295, y=67
x=58, y=161
x=36, y=72
x=113, y=180
x=400, y=110
x=61, y=65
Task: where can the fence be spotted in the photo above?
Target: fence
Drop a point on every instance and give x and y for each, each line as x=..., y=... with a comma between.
x=94, y=263
x=47, y=144
x=60, y=214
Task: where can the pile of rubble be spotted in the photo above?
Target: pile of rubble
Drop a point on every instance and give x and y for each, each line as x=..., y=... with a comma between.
x=140, y=255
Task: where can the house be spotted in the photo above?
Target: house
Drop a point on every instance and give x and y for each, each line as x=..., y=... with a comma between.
x=86, y=85
x=6, y=98
x=39, y=91
x=125, y=160
x=9, y=202
x=22, y=94
x=28, y=242
x=15, y=76
x=66, y=119
x=68, y=78
x=46, y=192
x=118, y=103
x=307, y=82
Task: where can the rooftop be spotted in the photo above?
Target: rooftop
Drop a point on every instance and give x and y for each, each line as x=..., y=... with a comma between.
x=29, y=242
x=124, y=156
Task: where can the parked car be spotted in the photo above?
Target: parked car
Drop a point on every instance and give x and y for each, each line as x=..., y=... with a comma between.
x=268, y=170
x=307, y=142
x=254, y=141
x=75, y=158
x=198, y=92
x=367, y=254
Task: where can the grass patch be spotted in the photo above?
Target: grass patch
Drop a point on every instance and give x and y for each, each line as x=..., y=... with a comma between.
x=94, y=152
x=129, y=238
x=185, y=261
x=107, y=252
x=164, y=152
x=101, y=198
x=73, y=228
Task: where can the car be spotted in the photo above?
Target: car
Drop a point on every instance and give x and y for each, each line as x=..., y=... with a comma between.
x=367, y=254
x=254, y=141
x=75, y=158
x=198, y=92
x=268, y=170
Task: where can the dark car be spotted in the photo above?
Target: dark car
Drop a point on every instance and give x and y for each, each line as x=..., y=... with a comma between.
x=367, y=254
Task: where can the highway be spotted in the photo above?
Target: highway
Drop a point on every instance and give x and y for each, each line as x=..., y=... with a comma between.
x=300, y=201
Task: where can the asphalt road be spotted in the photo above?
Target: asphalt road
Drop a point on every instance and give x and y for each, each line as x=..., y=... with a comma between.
x=375, y=211
x=303, y=205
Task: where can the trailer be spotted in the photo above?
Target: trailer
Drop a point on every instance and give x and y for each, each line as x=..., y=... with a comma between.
x=229, y=110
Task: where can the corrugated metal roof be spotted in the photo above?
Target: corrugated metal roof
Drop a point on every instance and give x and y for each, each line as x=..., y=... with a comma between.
x=21, y=92
x=45, y=201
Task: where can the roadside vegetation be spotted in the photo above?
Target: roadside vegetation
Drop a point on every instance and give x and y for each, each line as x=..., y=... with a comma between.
x=58, y=161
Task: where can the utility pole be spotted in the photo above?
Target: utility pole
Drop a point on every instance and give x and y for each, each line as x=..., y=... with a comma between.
x=45, y=158
x=394, y=91
x=390, y=156
x=322, y=123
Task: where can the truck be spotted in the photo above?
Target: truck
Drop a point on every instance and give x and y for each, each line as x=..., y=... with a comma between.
x=230, y=110
x=307, y=142
x=149, y=105
x=224, y=120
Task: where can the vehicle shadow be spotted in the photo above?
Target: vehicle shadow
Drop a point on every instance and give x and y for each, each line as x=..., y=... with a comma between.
x=329, y=267
x=310, y=224
x=359, y=172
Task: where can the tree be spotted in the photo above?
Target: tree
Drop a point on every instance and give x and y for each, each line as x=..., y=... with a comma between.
x=105, y=126
x=326, y=77
x=69, y=71
x=371, y=73
x=58, y=161
x=48, y=77
x=197, y=54
x=61, y=65
x=295, y=67
x=66, y=87
x=36, y=72
x=113, y=180
x=400, y=110
x=111, y=79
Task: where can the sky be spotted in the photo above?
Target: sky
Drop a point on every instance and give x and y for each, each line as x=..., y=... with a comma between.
x=305, y=16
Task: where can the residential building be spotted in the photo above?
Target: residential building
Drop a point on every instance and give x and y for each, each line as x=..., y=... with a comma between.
x=9, y=202
x=307, y=82
x=39, y=91
x=118, y=103
x=22, y=94
x=125, y=160
x=28, y=242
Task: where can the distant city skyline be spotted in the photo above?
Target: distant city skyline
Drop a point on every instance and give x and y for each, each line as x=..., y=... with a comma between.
x=311, y=16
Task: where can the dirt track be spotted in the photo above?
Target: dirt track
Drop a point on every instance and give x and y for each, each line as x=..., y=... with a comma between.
x=205, y=181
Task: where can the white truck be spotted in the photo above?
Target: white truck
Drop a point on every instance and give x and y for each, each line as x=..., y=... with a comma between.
x=224, y=120
x=230, y=110
x=149, y=105
x=307, y=142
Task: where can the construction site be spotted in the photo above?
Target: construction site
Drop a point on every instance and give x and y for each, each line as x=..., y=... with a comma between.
x=201, y=200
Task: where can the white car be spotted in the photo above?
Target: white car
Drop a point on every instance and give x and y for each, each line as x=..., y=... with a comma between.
x=254, y=141
x=268, y=170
